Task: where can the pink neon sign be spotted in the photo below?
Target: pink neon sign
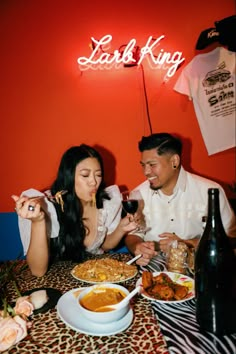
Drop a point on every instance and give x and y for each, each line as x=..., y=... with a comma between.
x=100, y=58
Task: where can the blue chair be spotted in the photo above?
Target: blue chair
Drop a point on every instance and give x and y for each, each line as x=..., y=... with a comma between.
x=10, y=242
x=120, y=248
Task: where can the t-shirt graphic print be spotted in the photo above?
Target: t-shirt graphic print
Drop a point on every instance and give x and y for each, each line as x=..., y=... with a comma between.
x=209, y=80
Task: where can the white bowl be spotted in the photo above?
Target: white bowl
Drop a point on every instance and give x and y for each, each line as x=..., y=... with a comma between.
x=108, y=316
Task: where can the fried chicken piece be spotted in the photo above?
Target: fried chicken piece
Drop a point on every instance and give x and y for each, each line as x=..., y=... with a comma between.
x=162, y=292
x=147, y=279
x=162, y=279
x=180, y=291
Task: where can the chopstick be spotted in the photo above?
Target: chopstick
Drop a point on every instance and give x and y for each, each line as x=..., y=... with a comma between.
x=134, y=259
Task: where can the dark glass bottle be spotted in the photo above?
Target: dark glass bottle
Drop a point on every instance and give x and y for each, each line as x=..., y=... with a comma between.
x=215, y=274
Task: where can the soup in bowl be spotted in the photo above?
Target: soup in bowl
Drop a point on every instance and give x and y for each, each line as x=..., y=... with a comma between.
x=93, y=299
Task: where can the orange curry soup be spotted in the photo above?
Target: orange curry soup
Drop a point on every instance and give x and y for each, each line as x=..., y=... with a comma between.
x=98, y=298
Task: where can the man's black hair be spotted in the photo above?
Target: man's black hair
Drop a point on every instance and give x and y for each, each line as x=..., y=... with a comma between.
x=163, y=142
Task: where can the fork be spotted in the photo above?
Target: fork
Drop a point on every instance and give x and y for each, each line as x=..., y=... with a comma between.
x=53, y=198
x=57, y=198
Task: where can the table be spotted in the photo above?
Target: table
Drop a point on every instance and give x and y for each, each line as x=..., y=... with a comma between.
x=180, y=329
x=50, y=335
x=156, y=328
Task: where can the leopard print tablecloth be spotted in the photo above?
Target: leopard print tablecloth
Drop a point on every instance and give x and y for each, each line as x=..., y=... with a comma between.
x=49, y=334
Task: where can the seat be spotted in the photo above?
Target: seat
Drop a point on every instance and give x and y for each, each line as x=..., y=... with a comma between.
x=10, y=242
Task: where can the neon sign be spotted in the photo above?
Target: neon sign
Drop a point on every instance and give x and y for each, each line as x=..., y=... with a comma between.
x=100, y=58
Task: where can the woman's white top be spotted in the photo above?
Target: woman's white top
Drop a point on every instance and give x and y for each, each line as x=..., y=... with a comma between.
x=108, y=219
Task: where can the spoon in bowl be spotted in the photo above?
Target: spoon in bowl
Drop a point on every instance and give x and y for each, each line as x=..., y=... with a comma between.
x=121, y=303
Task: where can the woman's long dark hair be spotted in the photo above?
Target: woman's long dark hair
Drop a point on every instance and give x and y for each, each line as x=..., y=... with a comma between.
x=70, y=243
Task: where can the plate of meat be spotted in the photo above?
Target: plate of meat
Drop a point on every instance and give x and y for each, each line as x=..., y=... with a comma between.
x=166, y=287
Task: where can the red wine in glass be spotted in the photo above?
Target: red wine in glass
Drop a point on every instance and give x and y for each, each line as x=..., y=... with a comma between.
x=133, y=203
x=130, y=206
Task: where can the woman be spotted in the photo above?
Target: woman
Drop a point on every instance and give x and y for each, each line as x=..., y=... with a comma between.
x=86, y=218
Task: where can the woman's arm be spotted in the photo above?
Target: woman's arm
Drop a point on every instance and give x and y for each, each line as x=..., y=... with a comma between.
x=117, y=227
x=112, y=240
x=38, y=251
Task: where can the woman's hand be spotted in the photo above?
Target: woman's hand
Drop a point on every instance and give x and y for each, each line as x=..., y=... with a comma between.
x=128, y=224
x=38, y=252
x=29, y=208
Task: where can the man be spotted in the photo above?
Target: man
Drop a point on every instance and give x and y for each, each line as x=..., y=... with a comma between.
x=175, y=201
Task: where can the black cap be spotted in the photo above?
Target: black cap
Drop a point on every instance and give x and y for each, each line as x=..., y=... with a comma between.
x=227, y=32
x=207, y=37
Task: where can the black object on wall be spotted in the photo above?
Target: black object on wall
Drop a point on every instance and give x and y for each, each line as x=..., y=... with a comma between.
x=224, y=33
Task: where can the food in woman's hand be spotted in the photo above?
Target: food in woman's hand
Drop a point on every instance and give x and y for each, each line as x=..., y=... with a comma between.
x=162, y=287
x=104, y=270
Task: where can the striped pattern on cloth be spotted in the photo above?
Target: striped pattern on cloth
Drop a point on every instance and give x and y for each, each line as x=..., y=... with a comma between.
x=179, y=327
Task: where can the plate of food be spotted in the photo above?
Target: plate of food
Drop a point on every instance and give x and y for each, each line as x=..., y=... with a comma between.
x=70, y=313
x=44, y=298
x=166, y=287
x=104, y=270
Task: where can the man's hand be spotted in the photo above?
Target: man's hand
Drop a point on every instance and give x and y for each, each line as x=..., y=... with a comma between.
x=147, y=249
x=168, y=237
x=165, y=240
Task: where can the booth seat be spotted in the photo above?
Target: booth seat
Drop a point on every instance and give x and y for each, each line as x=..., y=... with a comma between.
x=10, y=242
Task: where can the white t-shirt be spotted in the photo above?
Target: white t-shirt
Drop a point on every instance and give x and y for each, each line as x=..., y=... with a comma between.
x=108, y=219
x=209, y=80
x=182, y=213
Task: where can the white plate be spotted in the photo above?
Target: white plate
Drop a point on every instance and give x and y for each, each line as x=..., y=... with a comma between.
x=105, y=281
x=69, y=313
x=100, y=282
x=177, y=278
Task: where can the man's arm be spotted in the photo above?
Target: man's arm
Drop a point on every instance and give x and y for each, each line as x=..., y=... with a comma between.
x=131, y=242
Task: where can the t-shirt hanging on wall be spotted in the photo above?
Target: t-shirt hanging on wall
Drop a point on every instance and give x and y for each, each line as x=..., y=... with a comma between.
x=209, y=80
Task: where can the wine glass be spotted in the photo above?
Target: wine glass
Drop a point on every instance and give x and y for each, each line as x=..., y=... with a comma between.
x=129, y=204
x=133, y=203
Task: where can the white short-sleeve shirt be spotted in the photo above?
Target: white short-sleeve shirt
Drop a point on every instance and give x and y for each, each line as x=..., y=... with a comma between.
x=182, y=213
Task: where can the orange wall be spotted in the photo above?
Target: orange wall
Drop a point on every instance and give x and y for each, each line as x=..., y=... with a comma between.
x=47, y=105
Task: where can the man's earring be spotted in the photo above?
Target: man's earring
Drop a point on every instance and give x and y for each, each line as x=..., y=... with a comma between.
x=174, y=166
